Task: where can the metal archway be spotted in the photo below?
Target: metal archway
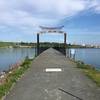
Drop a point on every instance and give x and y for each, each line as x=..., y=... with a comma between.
x=50, y=30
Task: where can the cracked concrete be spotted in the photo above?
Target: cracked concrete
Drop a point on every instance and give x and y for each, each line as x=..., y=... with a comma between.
x=37, y=84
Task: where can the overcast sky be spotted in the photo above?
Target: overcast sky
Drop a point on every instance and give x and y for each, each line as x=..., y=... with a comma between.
x=19, y=19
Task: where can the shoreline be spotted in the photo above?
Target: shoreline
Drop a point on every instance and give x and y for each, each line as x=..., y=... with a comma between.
x=26, y=46
x=91, y=72
x=18, y=47
x=10, y=77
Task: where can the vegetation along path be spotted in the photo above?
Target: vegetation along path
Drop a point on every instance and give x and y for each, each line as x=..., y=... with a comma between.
x=54, y=77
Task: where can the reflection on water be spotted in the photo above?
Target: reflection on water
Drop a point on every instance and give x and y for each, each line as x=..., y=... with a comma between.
x=88, y=56
x=9, y=56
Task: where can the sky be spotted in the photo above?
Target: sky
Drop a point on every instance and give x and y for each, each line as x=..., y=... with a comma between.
x=20, y=20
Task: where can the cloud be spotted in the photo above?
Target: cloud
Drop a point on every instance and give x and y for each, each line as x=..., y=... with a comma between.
x=32, y=13
x=95, y=6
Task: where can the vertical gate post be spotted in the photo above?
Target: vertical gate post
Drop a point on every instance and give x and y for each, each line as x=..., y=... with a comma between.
x=65, y=37
x=38, y=44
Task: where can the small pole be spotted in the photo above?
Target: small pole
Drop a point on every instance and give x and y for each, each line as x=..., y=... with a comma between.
x=65, y=43
x=38, y=44
x=65, y=40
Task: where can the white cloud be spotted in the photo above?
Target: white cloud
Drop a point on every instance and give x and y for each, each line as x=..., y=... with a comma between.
x=30, y=13
x=97, y=9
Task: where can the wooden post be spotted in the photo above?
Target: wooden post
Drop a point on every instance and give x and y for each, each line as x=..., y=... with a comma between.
x=38, y=44
x=65, y=40
x=65, y=43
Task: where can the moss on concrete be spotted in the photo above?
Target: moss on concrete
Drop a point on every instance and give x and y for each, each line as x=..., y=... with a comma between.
x=90, y=71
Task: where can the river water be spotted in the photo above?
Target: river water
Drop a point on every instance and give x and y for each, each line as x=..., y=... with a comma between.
x=9, y=56
x=89, y=56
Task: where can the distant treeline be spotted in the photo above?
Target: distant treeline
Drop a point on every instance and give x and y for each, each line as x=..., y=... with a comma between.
x=16, y=44
x=5, y=44
x=43, y=44
x=77, y=46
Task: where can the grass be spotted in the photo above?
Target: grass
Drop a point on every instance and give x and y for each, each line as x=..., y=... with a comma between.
x=6, y=44
x=13, y=77
x=91, y=72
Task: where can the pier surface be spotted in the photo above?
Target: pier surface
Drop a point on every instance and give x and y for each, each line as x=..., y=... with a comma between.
x=54, y=77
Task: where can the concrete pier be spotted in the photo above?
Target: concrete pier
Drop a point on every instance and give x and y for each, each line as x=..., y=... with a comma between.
x=54, y=77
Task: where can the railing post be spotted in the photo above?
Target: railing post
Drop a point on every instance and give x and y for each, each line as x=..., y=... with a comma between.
x=38, y=44
x=65, y=42
x=65, y=39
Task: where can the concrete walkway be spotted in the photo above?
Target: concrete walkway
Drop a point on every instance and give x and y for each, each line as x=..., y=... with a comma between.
x=37, y=84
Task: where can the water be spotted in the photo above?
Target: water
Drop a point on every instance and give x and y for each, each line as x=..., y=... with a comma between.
x=9, y=56
x=88, y=56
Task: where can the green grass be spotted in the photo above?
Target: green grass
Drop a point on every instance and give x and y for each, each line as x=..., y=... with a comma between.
x=6, y=44
x=13, y=77
x=91, y=72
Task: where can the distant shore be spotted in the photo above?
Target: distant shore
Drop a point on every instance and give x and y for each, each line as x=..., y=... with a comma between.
x=42, y=44
x=17, y=47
